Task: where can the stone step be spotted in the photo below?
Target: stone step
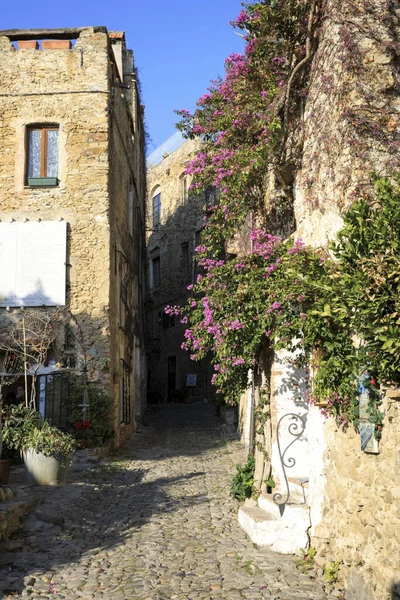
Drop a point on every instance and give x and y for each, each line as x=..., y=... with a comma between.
x=13, y=513
x=266, y=502
x=6, y=493
x=283, y=531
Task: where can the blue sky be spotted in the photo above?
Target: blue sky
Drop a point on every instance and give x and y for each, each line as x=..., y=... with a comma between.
x=179, y=45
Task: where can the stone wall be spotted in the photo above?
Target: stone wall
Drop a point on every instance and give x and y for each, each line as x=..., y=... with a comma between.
x=355, y=517
x=13, y=511
x=127, y=188
x=354, y=497
x=178, y=233
x=81, y=198
x=101, y=150
x=360, y=521
x=353, y=85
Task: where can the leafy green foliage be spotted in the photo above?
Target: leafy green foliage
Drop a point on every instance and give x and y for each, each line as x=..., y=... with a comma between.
x=270, y=482
x=339, y=308
x=306, y=562
x=23, y=429
x=243, y=481
x=332, y=572
x=17, y=423
x=49, y=441
x=240, y=117
x=342, y=309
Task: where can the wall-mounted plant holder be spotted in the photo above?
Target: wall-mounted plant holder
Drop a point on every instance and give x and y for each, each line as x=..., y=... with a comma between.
x=42, y=181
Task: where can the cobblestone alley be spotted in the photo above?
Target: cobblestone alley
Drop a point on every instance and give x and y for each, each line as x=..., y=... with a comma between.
x=154, y=522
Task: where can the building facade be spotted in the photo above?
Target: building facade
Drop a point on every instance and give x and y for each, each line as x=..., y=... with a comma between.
x=72, y=200
x=343, y=496
x=174, y=222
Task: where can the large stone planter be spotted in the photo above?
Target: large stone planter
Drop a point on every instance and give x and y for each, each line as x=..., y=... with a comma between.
x=44, y=470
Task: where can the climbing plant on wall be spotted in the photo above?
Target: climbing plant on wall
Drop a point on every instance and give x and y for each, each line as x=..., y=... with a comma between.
x=339, y=306
x=344, y=303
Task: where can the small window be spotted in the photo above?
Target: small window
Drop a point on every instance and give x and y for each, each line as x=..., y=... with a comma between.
x=42, y=156
x=125, y=394
x=156, y=209
x=184, y=189
x=155, y=272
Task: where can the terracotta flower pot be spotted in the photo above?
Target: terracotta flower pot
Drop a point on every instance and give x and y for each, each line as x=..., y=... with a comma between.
x=56, y=45
x=28, y=45
x=5, y=465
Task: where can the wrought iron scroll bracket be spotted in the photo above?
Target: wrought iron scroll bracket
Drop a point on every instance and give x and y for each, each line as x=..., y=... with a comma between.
x=295, y=429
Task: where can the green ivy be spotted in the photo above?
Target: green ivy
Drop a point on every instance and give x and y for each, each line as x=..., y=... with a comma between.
x=243, y=481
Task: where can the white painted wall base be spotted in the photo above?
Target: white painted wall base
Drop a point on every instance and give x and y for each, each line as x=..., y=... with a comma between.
x=285, y=534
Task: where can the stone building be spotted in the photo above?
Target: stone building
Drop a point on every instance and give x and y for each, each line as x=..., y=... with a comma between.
x=72, y=202
x=174, y=221
x=344, y=501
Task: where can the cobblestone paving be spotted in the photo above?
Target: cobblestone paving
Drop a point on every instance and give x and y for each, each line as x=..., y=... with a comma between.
x=153, y=523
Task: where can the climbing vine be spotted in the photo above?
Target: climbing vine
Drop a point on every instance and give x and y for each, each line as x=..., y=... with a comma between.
x=336, y=310
x=342, y=307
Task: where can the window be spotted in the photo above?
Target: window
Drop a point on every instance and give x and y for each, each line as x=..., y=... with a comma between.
x=125, y=394
x=156, y=208
x=42, y=155
x=185, y=258
x=155, y=272
x=184, y=189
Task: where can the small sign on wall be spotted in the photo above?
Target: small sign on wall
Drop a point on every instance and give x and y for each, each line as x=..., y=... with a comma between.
x=191, y=380
x=368, y=441
x=367, y=430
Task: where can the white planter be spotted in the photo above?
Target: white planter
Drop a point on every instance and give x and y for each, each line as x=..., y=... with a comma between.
x=44, y=470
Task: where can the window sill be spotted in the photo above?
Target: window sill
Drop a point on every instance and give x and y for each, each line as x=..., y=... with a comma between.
x=42, y=182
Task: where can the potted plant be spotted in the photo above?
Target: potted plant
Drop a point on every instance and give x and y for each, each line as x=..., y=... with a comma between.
x=16, y=420
x=47, y=453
